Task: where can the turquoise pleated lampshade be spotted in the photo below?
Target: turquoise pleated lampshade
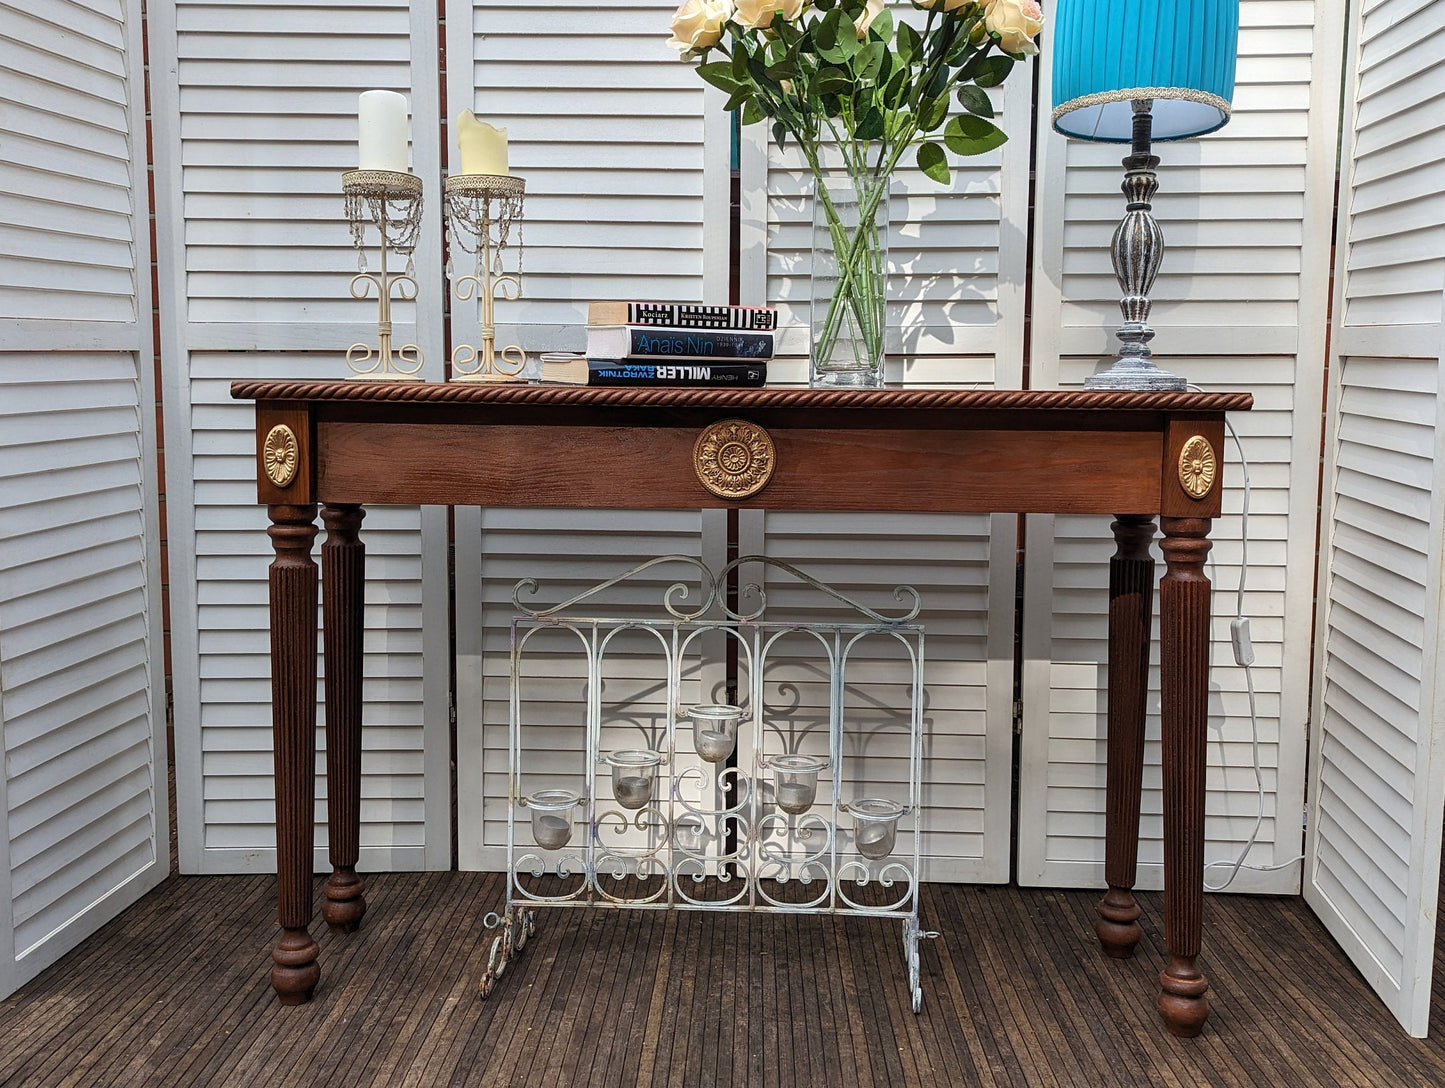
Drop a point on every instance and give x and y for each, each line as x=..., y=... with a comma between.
x=1180, y=53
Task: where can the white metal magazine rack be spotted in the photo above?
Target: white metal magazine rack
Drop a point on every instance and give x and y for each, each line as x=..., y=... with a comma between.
x=798, y=795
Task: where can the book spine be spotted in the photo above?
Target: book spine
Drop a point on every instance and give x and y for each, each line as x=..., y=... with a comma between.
x=683, y=316
x=699, y=344
x=608, y=372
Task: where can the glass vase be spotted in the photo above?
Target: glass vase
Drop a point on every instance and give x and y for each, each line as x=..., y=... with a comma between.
x=849, y=281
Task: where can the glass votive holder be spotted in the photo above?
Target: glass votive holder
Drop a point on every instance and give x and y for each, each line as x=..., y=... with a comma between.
x=552, y=817
x=875, y=826
x=634, y=772
x=795, y=781
x=715, y=730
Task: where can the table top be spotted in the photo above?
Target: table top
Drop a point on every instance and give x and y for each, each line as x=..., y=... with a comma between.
x=958, y=450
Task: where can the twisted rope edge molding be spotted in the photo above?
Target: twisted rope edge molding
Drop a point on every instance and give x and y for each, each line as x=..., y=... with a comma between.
x=702, y=397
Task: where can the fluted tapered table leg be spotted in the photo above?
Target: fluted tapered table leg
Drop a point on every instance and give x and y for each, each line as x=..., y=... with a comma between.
x=292, y=578
x=1131, y=607
x=1184, y=702
x=343, y=581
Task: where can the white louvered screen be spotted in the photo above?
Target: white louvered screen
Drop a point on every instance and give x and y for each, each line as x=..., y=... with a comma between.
x=625, y=156
x=82, y=721
x=1376, y=790
x=1239, y=304
x=255, y=123
x=968, y=675
x=1378, y=784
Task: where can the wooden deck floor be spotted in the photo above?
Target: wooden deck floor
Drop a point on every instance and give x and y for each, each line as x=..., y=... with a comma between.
x=175, y=993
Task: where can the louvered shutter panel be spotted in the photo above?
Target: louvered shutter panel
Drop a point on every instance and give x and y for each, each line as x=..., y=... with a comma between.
x=625, y=157
x=83, y=787
x=1239, y=303
x=1378, y=784
x=255, y=122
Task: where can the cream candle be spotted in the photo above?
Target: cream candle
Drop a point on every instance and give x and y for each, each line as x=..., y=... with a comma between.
x=483, y=148
x=382, y=131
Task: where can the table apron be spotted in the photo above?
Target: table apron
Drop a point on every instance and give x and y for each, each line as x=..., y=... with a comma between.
x=978, y=471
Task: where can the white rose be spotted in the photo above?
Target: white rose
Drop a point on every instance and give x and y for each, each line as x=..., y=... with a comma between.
x=698, y=24
x=760, y=13
x=864, y=21
x=1016, y=22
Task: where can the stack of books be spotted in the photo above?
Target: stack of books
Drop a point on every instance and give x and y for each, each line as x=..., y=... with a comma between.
x=669, y=343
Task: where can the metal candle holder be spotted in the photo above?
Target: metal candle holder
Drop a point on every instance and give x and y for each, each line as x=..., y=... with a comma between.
x=392, y=201
x=481, y=210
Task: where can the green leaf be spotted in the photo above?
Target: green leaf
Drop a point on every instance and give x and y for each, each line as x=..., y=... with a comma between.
x=825, y=31
x=786, y=68
x=932, y=112
x=975, y=101
x=933, y=162
x=868, y=63
x=895, y=90
x=882, y=27
x=739, y=97
x=780, y=134
x=720, y=75
x=828, y=81
x=870, y=125
x=969, y=135
x=994, y=70
x=909, y=44
x=752, y=112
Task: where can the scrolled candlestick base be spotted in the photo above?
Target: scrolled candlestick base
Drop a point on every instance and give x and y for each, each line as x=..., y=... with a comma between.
x=481, y=211
x=392, y=201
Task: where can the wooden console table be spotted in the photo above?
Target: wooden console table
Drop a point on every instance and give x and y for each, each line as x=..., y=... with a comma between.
x=1132, y=455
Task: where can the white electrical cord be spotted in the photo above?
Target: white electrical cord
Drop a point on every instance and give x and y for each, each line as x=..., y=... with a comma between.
x=1244, y=658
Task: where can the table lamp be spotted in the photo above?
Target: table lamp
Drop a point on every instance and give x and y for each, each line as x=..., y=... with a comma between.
x=1131, y=72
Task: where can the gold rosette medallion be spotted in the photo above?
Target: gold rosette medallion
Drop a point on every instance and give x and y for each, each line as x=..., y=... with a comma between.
x=1197, y=467
x=733, y=458
x=280, y=455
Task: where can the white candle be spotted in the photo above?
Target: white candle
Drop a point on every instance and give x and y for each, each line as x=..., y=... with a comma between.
x=714, y=745
x=632, y=790
x=483, y=148
x=551, y=831
x=874, y=839
x=795, y=797
x=382, y=138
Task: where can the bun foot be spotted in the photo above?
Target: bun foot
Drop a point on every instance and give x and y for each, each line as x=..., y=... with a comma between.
x=1118, y=925
x=294, y=971
x=1182, y=1003
x=345, y=901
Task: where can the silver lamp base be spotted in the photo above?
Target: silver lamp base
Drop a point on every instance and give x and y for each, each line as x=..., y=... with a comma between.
x=1136, y=252
x=1142, y=377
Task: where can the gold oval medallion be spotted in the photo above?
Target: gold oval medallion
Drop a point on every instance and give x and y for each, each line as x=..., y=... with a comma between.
x=733, y=458
x=280, y=454
x=1197, y=467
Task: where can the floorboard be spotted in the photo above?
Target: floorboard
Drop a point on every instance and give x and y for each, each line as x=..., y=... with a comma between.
x=175, y=992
